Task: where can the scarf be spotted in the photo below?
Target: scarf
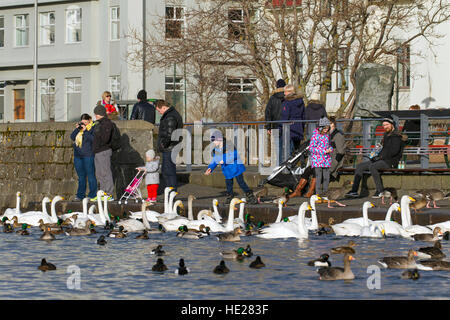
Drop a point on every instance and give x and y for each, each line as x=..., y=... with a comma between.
x=79, y=137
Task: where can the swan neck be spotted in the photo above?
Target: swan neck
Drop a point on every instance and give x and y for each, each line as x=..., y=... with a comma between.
x=241, y=211
x=230, y=217
x=389, y=214
x=365, y=217
x=17, y=204
x=53, y=212
x=404, y=205
x=105, y=210
x=301, y=222
x=144, y=217
x=85, y=207
x=314, y=222
x=216, y=213
x=280, y=213
x=44, y=207
x=190, y=212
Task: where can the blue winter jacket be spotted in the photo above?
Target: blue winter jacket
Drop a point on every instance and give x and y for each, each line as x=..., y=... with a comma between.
x=293, y=108
x=232, y=165
x=86, y=147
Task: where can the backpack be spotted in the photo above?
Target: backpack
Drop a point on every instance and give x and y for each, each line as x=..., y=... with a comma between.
x=115, y=138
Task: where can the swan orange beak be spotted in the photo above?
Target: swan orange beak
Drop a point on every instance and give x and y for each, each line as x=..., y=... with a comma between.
x=351, y=258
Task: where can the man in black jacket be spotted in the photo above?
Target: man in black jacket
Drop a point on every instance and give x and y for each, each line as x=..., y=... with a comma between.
x=143, y=110
x=170, y=121
x=101, y=146
x=389, y=157
x=273, y=108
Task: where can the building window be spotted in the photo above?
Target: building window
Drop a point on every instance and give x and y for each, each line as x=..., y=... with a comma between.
x=115, y=23
x=403, y=70
x=236, y=26
x=2, y=99
x=22, y=30
x=47, y=90
x=2, y=31
x=73, y=98
x=174, y=92
x=323, y=65
x=114, y=87
x=174, y=22
x=241, y=98
x=73, y=25
x=19, y=104
x=47, y=26
x=342, y=75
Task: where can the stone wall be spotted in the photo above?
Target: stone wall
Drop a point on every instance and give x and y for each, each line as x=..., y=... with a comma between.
x=37, y=158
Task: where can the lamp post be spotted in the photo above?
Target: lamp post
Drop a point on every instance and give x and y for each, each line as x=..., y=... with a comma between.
x=35, y=62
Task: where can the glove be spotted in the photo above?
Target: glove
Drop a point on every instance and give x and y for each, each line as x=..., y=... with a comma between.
x=339, y=157
x=375, y=159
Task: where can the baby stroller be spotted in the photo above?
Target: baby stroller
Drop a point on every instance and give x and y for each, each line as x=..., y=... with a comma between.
x=295, y=165
x=132, y=190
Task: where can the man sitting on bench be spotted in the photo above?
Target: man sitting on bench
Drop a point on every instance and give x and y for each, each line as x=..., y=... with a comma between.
x=388, y=157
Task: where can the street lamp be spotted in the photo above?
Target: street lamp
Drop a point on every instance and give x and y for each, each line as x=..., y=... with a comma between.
x=35, y=62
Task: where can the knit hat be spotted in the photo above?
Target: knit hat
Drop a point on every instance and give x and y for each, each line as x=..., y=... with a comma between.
x=323, y=122
x=142, y=95
x=100, y=110
x=281, y=83
x=390, y=120
x=217, y=135
x=150, y=153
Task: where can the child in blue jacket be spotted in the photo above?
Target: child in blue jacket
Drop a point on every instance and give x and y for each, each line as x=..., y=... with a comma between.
x=232, y=167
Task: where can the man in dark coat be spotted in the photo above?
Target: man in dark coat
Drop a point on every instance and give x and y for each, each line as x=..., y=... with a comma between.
x=393, y=143
x=170, y=121
x=293, y=108
x=314, y=111
x=143, y=110
x=273, y=108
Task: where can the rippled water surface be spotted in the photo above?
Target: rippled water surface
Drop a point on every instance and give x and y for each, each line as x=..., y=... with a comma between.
x=122, y=269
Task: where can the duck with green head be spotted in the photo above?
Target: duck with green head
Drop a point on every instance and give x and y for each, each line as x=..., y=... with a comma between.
x=23, y=230
x=238, y=254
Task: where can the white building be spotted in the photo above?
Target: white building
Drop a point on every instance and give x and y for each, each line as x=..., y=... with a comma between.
x=82, y=52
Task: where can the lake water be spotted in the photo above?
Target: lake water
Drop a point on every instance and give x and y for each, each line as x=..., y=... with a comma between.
x=122, y=269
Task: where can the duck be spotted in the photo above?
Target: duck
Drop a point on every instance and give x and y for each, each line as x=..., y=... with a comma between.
x=238, y=254
x=102, y=241
x=53, y=229
x=23, y=231
x=400, y=262
x=230, y=236
x=46, y=266
x=345, y=249
x=325, y=228
x=160, y=229
x=81, y=232
x=248, y=251
x=322, y=261
x=257, y=263
x=390, y=193
x=182, y=270
x=446, y=235
x=338, y=273
x=11, y=212
x=432, y=195
x=4, y=221
x=437, y=265
x=184, y=232
x=433, y=252
x=411, y=274
x=47, y=235
x=159, y=266
x=445, y=226
x=418, y=204
x=144, y=235
x=221, y=268
x=260, y=192
x=335, y=193
x=288, y=229
x=118, y=233
x=428, y=237
x=158, y=251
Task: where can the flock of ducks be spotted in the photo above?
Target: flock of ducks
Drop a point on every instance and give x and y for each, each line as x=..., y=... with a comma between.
x=209, y=223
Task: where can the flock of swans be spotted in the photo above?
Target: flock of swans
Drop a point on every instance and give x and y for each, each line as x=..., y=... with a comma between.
x=210, y=221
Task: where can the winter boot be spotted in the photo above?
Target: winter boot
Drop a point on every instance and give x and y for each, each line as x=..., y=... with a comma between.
x=251, y=198
x=312, y=188
x=298, y=190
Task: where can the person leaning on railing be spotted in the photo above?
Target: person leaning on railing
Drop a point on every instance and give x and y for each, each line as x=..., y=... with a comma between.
x=389, y=156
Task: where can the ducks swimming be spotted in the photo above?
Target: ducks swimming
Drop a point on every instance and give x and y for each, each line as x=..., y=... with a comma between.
x=182, y=270
x=101, y=241
x=338, y=273
x=159, y=266
x=345, y=249
x=238, y=254
x=47, y=235
x=46, y=266
x=428, y=237
x=411, y=274
x=400, y=262
x=257, y=264
x=158, y=251
x=221, y=268
x=321, y=262
x=433, y=252
x=230, y=236
x=23, y=231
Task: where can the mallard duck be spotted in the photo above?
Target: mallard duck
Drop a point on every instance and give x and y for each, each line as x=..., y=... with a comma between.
x=321, y=262
x=23, y=230
x=159, y=266
x=46, y=266
x=3, y=221
x=80, y=232
x=230, y=236
x=53, y=230
x=432, y=195
x=428, y=237
x=338, y=273
x=411, y=274
x=160, y=229
x=184, y=232
x=8, y=228
x=248, y=251
x=433, y=252
x=182, y=270
x=221, y=268
x=333, y=194
x=345, y=249
x=118, y=233
x=446, y=235
x=102, y=241
x=47, y=235
x=144, y=235
x=326, y=228
x=390, y=193
x=400, y=262
x=238, y=254
x=157, y=251
x=257, y=263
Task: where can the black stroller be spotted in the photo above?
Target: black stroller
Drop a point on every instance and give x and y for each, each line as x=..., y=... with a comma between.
x=295, y=165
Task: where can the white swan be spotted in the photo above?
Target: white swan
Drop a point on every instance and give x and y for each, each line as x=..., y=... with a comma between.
x=11, y=212
x=311, y=223
x=169, y=212
x=152, y=215
x=32, y=218
x=173, y=221
x=80, y=214
x=204, y=217
x=353, y=228
x=406, y=218
x=392, y=228
x=239, y=221
x=288, y=229
x=445, y=226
